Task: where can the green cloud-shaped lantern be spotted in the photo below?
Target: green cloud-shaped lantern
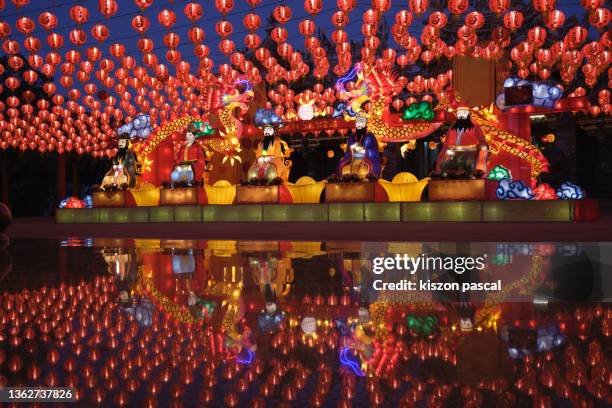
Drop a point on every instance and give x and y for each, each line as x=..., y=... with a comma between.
x=203, y=129
x=499, y=172
x=418, y=110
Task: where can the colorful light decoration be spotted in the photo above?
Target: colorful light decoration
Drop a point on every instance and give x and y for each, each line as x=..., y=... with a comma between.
x=499, y=172
x=418, y=111
x=570, y=191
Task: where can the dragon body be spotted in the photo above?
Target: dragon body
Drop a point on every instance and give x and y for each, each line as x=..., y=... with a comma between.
x=377, y=86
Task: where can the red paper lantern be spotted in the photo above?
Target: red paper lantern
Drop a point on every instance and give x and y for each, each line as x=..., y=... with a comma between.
x=193, y=11
x=418, y=6
x=196, y=35
x=48, y=20
x=224, y=28
x=600, y=17
x=166, y=18
x=591, y=4
x=438, y=19
x=475, y=20
x=100, y=32
x=282, y=14
x=554, y=19
x=141, y=24
x=513, y=20
x=108, y=8
x=143, y=4
x=224, y=6
x=499, y=6
x=24, y=25
x=339, y=19
x=458, y=7
x=79, y=14
x=313, y=7
x=544, y=6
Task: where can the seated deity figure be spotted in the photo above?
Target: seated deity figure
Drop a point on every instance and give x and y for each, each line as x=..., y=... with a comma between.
x=361, y=157
x=272, y=153
x=124, y=168
x=191, y=161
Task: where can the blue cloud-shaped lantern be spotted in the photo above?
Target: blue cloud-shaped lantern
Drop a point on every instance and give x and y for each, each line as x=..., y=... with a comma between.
x=267, y=117
x=139, y=127
x=513, y=190
x=544, y=95
x=570, y=191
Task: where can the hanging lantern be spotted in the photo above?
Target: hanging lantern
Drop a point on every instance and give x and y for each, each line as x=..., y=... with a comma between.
x=458, y=7
x=48, y=20
x=313, y=7
x=438, y=19
x=554, y=19
x=108, y=8
x=513, y=20
x=100, y=32
x=544, y=6
x=24, y=25
x=79, y=14
x=418, y=7
x=251, y=21
x=499, y=6
x=382, y=6
x=193, y=11
x=224, y=6
x=403, y=18
x=166, y=18
x=196, y=35
x=600, y=18
x=306, y=27
x=339, y=19
x=475, y=20
x=141, y=24
x=282, y=14
x=224, y=28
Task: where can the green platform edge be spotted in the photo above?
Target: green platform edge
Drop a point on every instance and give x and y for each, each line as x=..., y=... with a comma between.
x=460, y=211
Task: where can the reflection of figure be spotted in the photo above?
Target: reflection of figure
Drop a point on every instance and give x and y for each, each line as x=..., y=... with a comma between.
x=123, y=265
x=124, y=169
x=272, y=153
x=270, y=318
x=190, y=161
x=361, y=157
x=465, y=148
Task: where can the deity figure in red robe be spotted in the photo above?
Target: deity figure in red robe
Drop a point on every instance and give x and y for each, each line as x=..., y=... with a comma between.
x=465, y=149
x=190, y=162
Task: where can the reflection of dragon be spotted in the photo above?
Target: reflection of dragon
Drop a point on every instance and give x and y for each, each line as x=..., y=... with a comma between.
x=377, y=87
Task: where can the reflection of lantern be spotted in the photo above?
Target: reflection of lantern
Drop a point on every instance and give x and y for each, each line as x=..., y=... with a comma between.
x=432, y=145
x=330, y=154
x=549, y=138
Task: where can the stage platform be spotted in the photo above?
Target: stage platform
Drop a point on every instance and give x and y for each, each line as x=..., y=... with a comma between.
x=464, y=211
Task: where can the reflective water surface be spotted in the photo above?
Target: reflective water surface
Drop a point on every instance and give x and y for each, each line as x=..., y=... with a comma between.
x=284, y=323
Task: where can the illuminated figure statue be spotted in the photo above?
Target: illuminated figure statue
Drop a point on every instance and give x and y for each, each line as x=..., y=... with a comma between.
x=190, y=161
x=125, y=167
x=465, y=148
x=361, y=157
x=272, y=153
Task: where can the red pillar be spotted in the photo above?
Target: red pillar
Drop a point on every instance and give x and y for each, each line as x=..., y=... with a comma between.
x=61, y=177
x=519, y=124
